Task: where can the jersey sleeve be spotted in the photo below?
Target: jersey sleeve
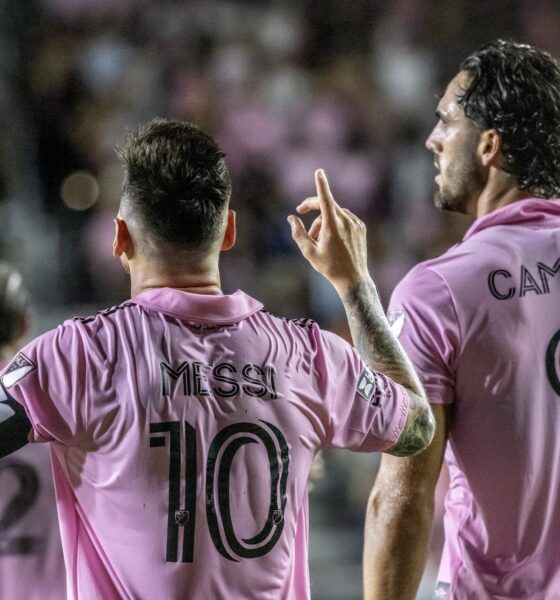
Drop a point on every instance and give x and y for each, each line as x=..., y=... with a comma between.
x=50, y=379
x=423, y=316
x=365, y=410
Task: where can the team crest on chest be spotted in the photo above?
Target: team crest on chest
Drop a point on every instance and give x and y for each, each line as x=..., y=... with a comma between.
x=18, y=369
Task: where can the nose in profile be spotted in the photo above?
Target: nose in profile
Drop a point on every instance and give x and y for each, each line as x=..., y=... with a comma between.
x=432, y=143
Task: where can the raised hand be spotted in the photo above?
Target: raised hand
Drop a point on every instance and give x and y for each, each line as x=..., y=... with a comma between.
x=335, y=244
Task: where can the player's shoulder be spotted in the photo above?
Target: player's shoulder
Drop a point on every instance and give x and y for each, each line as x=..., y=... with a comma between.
x=428, y=288
x=78, y=335
x=455, y=265
x=298, y=324
x=299, y=329
x=424, y=275
x=101, y=315
x=83, y=327
x=307, y=334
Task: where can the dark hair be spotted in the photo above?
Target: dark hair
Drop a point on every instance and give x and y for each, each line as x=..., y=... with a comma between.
x=176, y=183
x=14, y=300
x=515, y=89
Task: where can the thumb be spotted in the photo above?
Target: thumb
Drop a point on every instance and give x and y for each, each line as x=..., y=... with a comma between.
x=300, y=236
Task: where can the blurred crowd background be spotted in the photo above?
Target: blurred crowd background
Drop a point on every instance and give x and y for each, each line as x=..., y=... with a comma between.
x=285, y=87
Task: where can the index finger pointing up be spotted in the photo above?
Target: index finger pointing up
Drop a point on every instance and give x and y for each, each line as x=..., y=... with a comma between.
x=326, y=200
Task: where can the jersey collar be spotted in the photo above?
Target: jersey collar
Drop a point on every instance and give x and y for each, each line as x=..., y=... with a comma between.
x=199, y=308
x=535, y=212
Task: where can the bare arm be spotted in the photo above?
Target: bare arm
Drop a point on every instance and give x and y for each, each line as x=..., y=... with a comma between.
x=399, y=520
x=335, y=245
x=381, y=351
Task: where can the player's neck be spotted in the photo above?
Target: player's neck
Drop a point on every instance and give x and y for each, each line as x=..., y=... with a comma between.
x=498, y=194
x=146, y=277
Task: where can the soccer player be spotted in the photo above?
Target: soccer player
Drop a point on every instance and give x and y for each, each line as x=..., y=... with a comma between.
x=184, y=422
x=31, y=562
x=481, y=324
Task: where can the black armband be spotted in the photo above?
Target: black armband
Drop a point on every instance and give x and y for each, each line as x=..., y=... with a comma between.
x=14, y=424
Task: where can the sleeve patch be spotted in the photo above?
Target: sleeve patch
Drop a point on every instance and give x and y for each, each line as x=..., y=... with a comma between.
x=18, y=369
x=367, y=385
x=396, y=321
x=373, y=387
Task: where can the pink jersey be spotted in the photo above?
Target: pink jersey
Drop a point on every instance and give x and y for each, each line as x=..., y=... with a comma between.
x=29, y=533
x=481, y=324
x=31, y=561
x=183, y=428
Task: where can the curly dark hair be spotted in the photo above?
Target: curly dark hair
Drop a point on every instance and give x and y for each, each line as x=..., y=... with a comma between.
x=515, y=89
x=14, y=300
x=176, y=183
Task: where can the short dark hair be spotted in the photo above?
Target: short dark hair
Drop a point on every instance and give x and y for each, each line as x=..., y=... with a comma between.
x=515, y=89
x=176, y=183
x=14, y=301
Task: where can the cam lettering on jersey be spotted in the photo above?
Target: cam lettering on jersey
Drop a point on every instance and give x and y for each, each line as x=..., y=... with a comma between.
x=504, y=286
x=223, y=379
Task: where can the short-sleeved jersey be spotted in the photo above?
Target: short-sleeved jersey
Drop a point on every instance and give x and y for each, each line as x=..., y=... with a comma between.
x=481, y=324
x=31, y=562
x=183, y=429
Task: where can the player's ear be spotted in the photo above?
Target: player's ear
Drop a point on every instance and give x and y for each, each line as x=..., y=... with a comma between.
x=230, y=233
x=490, y=147
x=122, y=242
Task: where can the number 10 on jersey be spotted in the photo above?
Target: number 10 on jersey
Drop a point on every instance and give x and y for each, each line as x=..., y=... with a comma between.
x=218, y=470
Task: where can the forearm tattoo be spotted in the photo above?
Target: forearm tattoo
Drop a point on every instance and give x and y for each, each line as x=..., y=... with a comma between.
x=417, y=433
x=382, y=352
x=373, y=338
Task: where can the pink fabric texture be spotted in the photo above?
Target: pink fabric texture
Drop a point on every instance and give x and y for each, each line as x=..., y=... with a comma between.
x=31, y=561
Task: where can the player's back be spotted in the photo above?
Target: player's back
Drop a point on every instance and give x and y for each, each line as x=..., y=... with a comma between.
x=185, y=428
x=200, y=406
x=504, y=450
